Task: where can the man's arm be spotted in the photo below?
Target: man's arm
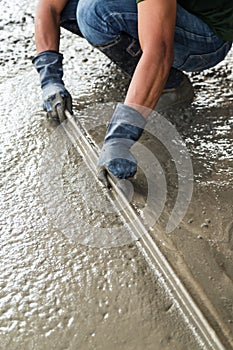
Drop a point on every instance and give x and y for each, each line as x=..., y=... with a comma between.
x=48, y=61
x=47, y=24
x=156, y=23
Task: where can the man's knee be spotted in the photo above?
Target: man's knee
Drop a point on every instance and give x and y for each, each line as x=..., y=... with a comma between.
x=92, y=22
x=68, y=17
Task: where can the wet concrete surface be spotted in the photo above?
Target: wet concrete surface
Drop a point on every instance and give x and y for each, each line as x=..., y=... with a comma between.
x=59, y=294
x=204, y=238
x=56, y=293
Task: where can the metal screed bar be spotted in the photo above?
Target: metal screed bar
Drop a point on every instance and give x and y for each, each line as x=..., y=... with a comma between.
x=204, y=333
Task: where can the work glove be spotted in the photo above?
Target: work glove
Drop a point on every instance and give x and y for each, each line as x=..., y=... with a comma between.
x=56, y=99
x=124, y=130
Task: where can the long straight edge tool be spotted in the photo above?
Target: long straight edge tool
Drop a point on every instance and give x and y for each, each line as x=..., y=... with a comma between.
x=202, y=328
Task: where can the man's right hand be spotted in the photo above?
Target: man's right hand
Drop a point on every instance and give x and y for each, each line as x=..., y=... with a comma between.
x=56, y=99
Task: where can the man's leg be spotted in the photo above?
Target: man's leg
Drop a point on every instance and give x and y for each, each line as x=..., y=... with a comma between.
x=112, y=27
x=196, y=47
x=68, y=17
x=105, y=26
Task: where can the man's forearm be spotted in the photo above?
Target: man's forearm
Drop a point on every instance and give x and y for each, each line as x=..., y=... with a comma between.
x=47, y=28
x=156, y=23
x=148, y=81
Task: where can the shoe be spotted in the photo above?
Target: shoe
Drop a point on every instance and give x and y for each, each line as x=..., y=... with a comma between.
x=178, y=92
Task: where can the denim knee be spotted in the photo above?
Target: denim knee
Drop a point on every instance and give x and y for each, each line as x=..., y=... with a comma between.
x=91, y=18
x=68, y=17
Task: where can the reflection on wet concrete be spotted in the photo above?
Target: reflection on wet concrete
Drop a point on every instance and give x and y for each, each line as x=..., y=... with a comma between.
x=58, y=294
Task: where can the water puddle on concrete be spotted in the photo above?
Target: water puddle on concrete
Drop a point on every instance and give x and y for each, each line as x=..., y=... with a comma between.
x=56, y=293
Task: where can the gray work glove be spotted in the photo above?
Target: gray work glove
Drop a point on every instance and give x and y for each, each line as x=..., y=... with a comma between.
x=56, y=99
x=124, y=130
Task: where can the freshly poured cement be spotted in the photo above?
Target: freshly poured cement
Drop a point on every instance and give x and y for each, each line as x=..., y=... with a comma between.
x=55, y=293
x=58, y=294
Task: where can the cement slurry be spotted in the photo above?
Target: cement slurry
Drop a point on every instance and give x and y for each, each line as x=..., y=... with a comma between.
x=56, y=293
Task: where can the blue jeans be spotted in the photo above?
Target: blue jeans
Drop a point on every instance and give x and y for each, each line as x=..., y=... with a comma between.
x=196, y=47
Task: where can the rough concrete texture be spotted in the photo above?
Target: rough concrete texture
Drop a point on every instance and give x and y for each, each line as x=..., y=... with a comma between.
x=58, y=294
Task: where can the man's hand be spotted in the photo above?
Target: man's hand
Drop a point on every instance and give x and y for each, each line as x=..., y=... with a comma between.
x=48, y=62
x=124, y=130
x=56, y=99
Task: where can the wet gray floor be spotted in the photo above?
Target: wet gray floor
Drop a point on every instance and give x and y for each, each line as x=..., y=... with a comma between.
x=56, y=293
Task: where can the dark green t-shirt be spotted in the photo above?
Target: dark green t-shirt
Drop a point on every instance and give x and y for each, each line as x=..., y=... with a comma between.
x=218, y=14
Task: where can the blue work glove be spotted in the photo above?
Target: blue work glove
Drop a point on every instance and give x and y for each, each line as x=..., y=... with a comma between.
x=56, y=99
x=124, y=130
